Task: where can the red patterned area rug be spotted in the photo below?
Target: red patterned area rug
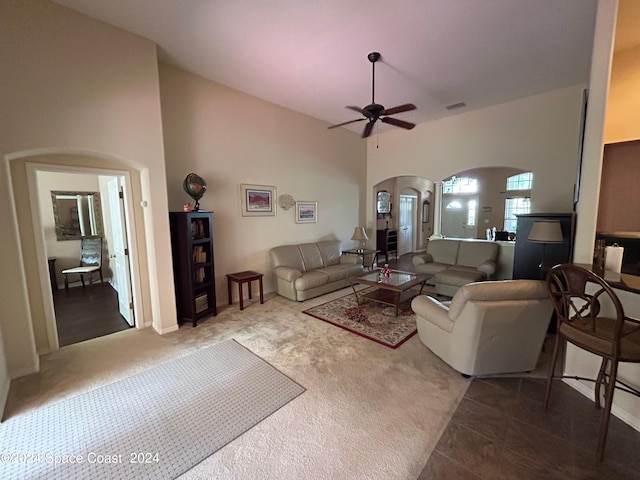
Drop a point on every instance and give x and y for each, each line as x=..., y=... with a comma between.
x=371, y=320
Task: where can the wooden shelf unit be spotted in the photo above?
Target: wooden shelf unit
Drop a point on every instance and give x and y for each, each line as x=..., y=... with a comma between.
x=193, y=265
x=387, y=242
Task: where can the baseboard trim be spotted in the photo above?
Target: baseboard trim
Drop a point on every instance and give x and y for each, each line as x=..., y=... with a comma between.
x=4, y=395
x=588, y=392
x=163, y=331
x=21, y=372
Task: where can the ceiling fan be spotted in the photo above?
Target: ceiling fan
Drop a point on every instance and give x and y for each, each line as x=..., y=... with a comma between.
x=374, y=111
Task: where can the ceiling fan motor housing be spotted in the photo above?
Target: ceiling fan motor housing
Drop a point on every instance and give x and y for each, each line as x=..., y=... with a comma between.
x=373, y=111
x=373, y=57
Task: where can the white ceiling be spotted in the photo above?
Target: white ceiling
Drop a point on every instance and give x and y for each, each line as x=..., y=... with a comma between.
x=311, y=55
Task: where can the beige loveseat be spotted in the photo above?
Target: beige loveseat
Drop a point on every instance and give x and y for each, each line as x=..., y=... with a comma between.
x=310, y=269
x=454, y=263
x=488, y=327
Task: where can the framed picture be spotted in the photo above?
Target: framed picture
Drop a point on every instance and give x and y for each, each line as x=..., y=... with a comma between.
x=306, y=212
x=258, y=200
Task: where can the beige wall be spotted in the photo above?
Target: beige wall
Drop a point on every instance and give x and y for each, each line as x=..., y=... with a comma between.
x=71, y=84
x=619, y=195
x=623, y=104
x=229, y=138
x=537, y=133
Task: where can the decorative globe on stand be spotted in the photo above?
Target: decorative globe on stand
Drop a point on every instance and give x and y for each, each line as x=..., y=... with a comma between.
x=195, y=187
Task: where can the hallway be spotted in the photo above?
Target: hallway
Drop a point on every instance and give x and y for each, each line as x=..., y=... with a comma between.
x=86, y=313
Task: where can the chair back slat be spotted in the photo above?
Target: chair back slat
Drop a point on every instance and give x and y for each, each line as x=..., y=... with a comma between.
x=91, y=251
x=578, y=296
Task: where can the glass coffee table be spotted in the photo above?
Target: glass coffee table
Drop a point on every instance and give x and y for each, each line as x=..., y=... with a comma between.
x=393, y=290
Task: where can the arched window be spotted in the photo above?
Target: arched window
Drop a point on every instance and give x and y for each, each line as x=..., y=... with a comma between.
x=522, y=181
x=460, y=185
x=455, y=205
x=521, y=203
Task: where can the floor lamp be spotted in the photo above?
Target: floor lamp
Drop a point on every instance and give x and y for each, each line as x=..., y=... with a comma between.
x=545, y=232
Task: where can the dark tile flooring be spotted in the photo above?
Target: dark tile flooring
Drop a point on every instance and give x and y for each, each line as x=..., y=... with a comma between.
x=500, y=431
x=86, y=313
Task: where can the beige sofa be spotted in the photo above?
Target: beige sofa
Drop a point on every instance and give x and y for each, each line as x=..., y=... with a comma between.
x=454, y=263
x=310, y=269
x=488, y=327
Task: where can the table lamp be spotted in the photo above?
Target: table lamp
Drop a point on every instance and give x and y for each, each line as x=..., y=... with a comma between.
x=360, y=235
x=545, y=232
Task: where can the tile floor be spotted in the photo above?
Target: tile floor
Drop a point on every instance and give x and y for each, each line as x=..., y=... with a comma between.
x=500, y=431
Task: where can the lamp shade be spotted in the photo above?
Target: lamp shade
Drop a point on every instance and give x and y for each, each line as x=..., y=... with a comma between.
x=359, y=234
x=545, y=231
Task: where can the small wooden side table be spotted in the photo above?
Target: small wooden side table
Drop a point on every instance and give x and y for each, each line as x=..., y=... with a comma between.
x=362, y=253
x=241, y=278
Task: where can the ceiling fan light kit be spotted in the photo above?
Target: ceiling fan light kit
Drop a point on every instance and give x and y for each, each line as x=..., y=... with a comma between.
x=374, y=111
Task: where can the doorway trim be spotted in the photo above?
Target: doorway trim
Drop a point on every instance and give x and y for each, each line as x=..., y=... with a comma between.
x=32, y=183
x=414, y=219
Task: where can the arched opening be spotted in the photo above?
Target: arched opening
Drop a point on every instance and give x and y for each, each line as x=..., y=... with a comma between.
x=30, y=202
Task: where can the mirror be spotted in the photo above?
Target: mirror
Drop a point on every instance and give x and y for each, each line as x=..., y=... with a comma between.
x=384, y=202
x=76, y=214
x=425, y=211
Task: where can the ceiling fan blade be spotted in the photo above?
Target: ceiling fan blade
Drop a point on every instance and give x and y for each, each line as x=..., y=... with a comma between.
x=346, y=123
x=367, y=129
x=355, y=109
x=407, y=107
x=398, y=123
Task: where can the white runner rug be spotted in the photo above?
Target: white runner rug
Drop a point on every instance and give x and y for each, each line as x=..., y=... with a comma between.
x=156, y=424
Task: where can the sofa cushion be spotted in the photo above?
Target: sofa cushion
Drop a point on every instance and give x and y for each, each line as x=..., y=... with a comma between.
x=431, y=268
x=443, y=251
x=459, y=276
x=287, y=256
x=311, y=256
x=334, y=272
x=473, y=253
x=331, y=251
x=309, y=280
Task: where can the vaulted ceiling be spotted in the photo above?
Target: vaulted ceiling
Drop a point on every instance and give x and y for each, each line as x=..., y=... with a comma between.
x=311, y=56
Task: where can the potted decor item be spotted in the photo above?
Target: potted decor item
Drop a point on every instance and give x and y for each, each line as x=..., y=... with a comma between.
x=195, y=187
x=386, y=271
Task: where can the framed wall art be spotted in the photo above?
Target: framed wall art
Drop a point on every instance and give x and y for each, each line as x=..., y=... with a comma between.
x=258, y=200
x=306, y=212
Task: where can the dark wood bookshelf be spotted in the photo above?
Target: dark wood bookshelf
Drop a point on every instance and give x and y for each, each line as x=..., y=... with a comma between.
x=193, y=265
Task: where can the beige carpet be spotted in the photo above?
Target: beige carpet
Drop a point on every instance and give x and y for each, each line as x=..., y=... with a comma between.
x=369, y=412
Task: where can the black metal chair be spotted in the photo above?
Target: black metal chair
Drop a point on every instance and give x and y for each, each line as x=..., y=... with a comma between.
x=591, y=317
x=90, y=261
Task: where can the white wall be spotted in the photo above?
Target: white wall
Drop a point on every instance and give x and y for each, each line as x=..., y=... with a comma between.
x=229, y=138
x=537, y=133
x=71, y=84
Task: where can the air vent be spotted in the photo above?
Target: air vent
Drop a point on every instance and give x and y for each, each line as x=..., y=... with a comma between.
x=453, y=106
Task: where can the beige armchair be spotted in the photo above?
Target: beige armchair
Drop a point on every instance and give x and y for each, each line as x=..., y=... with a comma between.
x=488, y=327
